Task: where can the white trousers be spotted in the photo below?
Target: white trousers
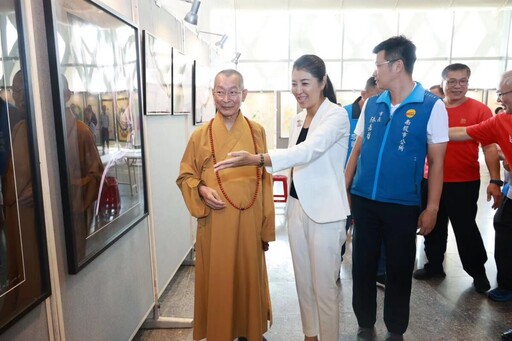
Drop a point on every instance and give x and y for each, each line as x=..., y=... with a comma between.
x=316, y=255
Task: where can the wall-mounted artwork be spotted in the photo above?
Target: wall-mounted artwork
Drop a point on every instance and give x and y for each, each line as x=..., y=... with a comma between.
x=182, y=83
x=95, y=53
x=157, y=75
x=288, y=109
x=204, y=102
x=123, y=116
x=24, y=276
x=477, y=94
x=492, y=100
x=260, y=106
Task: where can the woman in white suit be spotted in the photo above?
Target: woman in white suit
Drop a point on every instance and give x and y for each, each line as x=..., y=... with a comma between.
x=317, y=208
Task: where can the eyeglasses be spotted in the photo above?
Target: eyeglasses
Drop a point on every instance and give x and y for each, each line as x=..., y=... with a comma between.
x=501, y=94
x=461, y=82
x=231, y=93
x=386, y=62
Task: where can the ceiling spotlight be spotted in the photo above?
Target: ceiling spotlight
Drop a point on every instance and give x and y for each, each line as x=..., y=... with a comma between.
x=222, y=40
x=236, y=58
x=191, y=16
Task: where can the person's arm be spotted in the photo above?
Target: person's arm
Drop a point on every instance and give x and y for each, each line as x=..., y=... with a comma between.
x=428, y=217
x=483, y=132
x=331, y=129
x=492, y=160
x=268, y=226
x=243, y=158
x=458, y=134
x=350, y=170
x=198, y=197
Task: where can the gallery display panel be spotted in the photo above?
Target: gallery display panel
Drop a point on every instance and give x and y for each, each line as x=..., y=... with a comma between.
x=94, y=56
x=24, y=274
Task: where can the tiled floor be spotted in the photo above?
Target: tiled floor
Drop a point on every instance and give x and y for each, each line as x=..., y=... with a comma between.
x=441, y=309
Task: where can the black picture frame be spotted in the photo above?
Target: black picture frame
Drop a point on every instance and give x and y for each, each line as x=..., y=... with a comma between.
x=157, y=75
x=24, y=270
x=182, y=83
x=204, y=102
x=93, y=49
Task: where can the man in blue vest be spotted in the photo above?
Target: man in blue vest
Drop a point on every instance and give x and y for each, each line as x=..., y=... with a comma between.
x=354, y=110
x=395, y=132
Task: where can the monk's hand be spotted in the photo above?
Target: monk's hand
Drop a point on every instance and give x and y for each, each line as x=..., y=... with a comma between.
x=237, y=159
x=427, y=221
x=211, y=198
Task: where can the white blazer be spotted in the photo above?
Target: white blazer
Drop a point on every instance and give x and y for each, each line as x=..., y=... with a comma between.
x=318, y=162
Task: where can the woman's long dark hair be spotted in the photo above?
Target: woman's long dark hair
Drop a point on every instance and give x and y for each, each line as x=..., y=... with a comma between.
x=316, y=67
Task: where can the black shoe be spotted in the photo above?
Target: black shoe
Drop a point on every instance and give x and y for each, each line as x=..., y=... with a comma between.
x=365, y=334
x=381, y=281
x=423, y=274
x=245, y=339
x=500, y=295
x=481, y=283
x=394, y=337
x=507, y=336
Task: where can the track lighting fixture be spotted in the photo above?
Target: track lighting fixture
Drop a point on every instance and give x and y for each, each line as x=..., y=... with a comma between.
x=221, y=41
x=191, y=16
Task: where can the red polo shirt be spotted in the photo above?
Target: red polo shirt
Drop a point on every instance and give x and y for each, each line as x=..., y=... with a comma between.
x=497, y=129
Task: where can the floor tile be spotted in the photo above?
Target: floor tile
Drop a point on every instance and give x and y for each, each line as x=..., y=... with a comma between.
x=441, y=309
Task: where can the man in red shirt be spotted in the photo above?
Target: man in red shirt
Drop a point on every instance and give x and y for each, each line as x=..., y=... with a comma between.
x=498, y=130
x=461, y=185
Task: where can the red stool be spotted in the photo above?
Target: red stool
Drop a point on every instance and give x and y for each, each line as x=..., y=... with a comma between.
x=282, y=195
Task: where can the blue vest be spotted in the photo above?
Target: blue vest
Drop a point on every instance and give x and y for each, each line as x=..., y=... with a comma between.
x=390, y=166
x=353, y=123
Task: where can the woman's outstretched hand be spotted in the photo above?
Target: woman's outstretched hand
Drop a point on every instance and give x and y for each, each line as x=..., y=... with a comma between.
x=237, y=159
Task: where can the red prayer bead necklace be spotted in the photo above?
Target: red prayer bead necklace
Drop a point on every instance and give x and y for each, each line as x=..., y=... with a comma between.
x=219, y=182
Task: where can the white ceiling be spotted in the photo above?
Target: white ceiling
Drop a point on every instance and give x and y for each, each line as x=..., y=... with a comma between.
x=179, y=8
x=370, y=4
x=341, y=4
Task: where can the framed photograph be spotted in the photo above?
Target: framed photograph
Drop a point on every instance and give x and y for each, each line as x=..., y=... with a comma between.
x=260, y=106
x=157, y=75
x=124, y=117
x=346, y=97
x=476, y=94
x=181, y=83
x=24, y=275
x=491, y=100
x=288, y=108
x=203, y=97
x=95, y=51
